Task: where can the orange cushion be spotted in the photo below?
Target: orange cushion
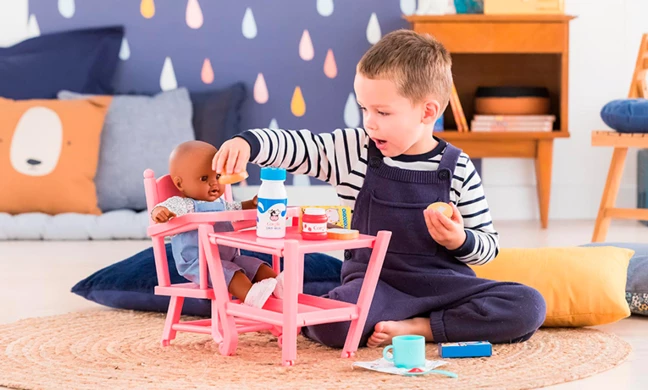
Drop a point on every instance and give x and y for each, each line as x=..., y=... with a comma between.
x=48, y=154
x=582, y=286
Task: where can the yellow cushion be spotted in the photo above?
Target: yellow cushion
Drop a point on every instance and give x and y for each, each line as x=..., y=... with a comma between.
x=582, y=286
x=50, y=152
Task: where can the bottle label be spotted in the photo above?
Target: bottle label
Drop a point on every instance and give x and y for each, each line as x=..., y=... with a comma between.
x=271, y=214
x=314, y=227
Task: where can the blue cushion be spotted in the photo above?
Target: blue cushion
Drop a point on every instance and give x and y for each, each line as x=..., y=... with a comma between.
x=129, y=284
x=80, y=61
x=217, y=113
x=637, y=284
x=626, y=115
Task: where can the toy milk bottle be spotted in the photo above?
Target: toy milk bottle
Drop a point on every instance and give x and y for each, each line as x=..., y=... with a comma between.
x=271, y=204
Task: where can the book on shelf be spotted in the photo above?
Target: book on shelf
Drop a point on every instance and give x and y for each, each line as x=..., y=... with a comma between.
x=457, y=111
x=512, y=123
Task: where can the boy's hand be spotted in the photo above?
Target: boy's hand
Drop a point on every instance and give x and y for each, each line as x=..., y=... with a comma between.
x=232, y=156
x=448, y=232
x=161, y=214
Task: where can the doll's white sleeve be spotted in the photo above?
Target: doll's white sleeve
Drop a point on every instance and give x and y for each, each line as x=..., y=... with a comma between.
x=177, y=205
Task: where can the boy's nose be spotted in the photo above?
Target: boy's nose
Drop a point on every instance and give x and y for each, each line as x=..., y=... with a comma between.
x=369, y=123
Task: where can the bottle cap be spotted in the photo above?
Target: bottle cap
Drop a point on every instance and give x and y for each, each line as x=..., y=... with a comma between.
x=268, y=173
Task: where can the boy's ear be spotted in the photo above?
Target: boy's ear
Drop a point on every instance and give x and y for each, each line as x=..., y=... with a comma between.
x=431, y=111
x=177, y=180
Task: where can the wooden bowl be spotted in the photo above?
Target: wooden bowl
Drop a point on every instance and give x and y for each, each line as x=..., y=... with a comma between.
x=512, y=101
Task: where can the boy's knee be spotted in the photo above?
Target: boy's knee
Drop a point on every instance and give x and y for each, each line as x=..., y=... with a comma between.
x=533, y=309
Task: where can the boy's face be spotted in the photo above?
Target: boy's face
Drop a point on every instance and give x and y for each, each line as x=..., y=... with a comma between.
x=196, y=178
x=395, y=124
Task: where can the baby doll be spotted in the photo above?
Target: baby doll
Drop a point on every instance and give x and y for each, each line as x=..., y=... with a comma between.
x=248, y=278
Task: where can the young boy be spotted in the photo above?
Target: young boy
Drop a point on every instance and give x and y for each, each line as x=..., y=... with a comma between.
x=389, y=172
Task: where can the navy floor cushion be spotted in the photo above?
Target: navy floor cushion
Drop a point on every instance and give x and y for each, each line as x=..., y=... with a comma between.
x=637, y=284
x=129, y=284
x=626, y=115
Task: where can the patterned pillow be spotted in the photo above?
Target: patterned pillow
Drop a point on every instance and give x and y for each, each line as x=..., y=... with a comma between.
x=637, y=284
x=53, y=150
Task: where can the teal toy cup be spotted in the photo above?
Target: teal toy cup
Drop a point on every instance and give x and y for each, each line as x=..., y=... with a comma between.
x=408, y=351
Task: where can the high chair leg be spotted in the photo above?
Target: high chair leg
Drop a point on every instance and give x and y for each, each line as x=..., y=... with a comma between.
x=221, y=295
x=173, y=317
x=215, y=329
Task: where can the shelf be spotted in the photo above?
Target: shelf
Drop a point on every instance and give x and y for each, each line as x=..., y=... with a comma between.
x=473, y=18
x=450, y=135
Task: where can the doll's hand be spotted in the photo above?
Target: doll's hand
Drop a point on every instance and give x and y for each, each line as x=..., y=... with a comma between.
x=232, y=157
x=250, y=204
x=448, y=232
x=161, y=214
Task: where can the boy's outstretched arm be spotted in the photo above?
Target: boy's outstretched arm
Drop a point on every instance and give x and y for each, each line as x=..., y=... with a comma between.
x=328, y=156
x=482, y=241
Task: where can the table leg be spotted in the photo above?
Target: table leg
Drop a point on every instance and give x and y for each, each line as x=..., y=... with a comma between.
x=610, y=192
x=543, y=165
x=291, y=290
x=367, y=293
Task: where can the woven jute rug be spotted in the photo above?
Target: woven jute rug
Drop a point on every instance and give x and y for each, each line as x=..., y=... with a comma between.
x=111, y=349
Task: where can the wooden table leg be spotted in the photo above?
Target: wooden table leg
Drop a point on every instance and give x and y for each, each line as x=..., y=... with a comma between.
x=543, y=165
x=610, y=193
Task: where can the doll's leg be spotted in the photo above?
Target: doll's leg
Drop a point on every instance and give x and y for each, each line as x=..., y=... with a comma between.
x=264, y=272
x=239, y=285
x=259, y=270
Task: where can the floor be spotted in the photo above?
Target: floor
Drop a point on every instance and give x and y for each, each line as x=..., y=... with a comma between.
x=37, y=277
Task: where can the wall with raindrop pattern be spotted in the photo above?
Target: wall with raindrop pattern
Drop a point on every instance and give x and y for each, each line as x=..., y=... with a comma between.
x=297, y=57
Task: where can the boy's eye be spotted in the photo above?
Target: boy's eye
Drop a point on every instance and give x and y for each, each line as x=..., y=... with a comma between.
x=382, y=113
x=218, y=176
x=203, y=178
x=362, y=108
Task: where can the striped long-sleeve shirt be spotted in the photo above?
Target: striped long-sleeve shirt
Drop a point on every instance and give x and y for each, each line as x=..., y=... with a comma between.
x=340, y=158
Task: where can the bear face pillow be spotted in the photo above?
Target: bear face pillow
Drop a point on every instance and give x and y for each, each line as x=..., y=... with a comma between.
x=49, y=151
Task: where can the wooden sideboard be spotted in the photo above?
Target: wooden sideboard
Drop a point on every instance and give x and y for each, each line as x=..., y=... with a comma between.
x=495, y=50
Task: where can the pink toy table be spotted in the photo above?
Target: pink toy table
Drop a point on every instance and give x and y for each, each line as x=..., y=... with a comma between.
x=297, y=309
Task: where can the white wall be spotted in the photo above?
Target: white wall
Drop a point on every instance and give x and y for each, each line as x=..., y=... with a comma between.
x=604, y=41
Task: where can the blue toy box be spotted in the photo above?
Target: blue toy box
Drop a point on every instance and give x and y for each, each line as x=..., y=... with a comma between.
x=465, y=349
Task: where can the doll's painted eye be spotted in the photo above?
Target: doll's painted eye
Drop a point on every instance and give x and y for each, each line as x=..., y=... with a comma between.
x=204, y=178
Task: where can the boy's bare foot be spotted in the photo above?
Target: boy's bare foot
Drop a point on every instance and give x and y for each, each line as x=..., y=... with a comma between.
x=386, y=330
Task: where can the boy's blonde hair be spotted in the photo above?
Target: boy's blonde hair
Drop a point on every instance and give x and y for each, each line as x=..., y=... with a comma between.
x=418, y=64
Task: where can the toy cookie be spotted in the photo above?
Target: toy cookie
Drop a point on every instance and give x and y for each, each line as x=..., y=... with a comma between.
x=233, y=178
x=442, y=207
x=342, y=234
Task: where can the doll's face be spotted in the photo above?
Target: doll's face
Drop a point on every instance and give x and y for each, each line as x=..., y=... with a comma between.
x=191, y=169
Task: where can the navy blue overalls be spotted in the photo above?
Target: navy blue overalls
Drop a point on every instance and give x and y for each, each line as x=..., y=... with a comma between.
x=419, y=277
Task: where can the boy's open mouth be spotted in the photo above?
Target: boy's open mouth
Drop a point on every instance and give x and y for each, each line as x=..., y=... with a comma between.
x=380, y=143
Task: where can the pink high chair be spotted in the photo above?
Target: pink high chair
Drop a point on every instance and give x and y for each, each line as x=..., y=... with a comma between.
x=283, y=318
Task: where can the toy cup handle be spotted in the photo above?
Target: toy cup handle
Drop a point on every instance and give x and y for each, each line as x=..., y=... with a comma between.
x=387, y=357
